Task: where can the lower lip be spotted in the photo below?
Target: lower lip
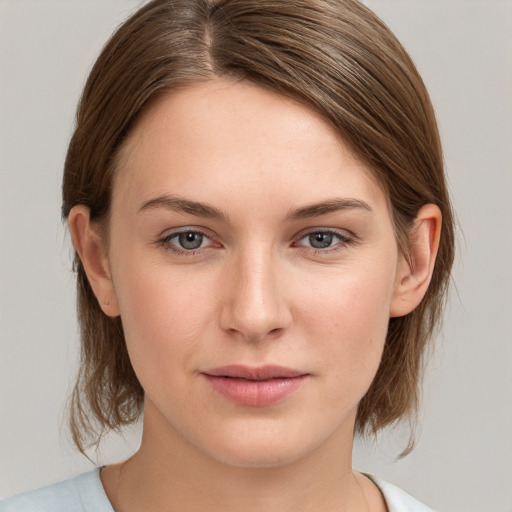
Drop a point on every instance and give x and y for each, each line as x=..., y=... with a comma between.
x=255, y=393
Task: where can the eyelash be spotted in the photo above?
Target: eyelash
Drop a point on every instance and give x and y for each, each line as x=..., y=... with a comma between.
x=343, y=242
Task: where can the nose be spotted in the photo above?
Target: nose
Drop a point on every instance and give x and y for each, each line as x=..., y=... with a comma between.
x=254, y=306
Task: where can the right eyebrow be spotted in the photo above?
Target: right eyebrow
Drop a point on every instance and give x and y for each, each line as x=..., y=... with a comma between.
x=181, y=205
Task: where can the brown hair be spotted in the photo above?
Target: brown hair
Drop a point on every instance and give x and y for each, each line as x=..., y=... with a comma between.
x=334, y=55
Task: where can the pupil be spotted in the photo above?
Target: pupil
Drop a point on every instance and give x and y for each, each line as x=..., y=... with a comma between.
x=190, y=240
x=320, y=240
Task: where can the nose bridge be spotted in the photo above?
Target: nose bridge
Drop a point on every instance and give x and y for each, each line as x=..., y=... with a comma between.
x=255, y=306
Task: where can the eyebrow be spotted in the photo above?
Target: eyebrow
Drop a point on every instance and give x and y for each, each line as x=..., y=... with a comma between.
x=198, y=209
x=326, y=207
x=181, y=205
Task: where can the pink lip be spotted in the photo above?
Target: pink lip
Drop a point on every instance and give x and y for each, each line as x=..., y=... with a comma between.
x=254, y=386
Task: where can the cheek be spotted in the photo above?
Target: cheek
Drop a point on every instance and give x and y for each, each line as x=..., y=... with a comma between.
x=163, y=315
x=351, y=300
x=348, y=315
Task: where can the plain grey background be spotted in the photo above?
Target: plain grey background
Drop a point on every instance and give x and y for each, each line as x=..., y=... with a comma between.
x=463, y=461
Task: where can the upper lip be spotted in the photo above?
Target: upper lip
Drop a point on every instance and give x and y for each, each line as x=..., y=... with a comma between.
x=254, y=372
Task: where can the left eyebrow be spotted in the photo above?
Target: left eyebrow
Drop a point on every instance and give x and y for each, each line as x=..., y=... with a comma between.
x=325, y=207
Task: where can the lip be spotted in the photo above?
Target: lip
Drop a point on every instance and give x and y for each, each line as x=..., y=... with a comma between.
x=254, y=386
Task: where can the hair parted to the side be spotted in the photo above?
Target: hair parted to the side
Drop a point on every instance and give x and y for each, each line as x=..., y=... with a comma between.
x=335, y=56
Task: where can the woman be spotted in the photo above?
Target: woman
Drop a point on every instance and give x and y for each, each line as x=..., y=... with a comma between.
x=256, y=197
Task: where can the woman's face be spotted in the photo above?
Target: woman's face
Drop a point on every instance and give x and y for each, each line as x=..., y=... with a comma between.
x=254, y=264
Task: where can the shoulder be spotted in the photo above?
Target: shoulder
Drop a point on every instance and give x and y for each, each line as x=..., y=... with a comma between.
x=398, y=500
x=82, y=493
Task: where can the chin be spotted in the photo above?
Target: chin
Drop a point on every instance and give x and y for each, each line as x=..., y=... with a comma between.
x=257, y=457
x=265, y=447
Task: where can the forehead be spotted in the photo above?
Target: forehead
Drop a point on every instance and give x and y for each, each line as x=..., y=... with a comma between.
x=219, y=134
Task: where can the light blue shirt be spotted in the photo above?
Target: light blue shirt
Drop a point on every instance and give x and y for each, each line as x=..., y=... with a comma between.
x=85, y=493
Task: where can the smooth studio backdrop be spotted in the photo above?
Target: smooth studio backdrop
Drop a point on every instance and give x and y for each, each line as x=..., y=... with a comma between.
x=463, y=461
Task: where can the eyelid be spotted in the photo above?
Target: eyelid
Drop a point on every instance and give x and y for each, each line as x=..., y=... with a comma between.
x=170, y=232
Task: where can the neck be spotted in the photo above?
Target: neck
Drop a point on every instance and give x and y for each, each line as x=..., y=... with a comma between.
x=168, y=473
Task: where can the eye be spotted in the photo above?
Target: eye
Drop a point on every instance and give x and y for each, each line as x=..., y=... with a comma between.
x=320, y=240
x=324, y=239
x=186, y=241
x=190, y=240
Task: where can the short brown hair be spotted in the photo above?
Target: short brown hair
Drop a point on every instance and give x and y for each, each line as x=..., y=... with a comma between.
x=335, y=56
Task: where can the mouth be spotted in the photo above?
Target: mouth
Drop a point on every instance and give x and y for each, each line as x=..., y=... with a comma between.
x=254, y=386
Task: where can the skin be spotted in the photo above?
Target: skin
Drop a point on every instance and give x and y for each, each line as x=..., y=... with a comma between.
x=255, y=292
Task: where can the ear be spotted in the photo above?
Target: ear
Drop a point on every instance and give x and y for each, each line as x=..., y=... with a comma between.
x=90, y=248
x=413, y=277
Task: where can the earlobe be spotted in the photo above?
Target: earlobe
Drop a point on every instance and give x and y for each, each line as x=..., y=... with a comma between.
x=413, y=276
x=89, y=246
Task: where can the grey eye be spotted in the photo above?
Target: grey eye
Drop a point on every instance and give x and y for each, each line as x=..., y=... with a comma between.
x=320, y=240
x=190, y=240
